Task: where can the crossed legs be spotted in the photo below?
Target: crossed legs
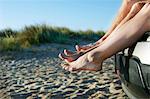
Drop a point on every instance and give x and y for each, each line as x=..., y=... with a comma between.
x=132, y=28
x=123, y=12
x=128, y=10
x=126, y=35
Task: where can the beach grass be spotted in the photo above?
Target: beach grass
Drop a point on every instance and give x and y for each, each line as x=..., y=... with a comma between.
x=39, y=34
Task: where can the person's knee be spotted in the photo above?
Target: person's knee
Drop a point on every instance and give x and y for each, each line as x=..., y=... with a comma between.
x=135, y=8
x=130, y=2
x=136, y=5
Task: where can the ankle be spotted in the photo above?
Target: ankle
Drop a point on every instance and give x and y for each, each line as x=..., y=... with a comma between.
x=95, y=57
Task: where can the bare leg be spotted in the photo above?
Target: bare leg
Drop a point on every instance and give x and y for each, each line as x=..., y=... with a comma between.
x=134, y=10
x=120, y=19
x=126, y=35
x=124, y=10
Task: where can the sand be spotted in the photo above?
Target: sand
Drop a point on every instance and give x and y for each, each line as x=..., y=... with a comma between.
x=36, y=73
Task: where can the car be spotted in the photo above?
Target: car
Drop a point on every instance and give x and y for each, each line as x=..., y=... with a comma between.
x=133, y=67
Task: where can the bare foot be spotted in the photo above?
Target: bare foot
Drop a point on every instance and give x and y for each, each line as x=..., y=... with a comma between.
x=74, y=56
x=71, y=57
x=79, y=49
x=88, y=67
x=82, y=63
x=85, y=47
x=68, y=52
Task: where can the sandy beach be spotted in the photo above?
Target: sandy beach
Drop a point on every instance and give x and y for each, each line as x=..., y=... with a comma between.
x=36, y=74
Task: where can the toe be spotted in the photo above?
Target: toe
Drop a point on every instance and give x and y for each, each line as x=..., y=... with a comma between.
x=78, y=48
x=67, y=52
x=70, y=69
x=61, y=56
x=67, y=61
x=66, y=68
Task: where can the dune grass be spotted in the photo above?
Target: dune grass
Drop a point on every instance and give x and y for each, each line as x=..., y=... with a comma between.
x=39, y=34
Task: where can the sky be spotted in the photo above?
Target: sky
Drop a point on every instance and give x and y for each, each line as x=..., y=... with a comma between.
x=74, y=14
